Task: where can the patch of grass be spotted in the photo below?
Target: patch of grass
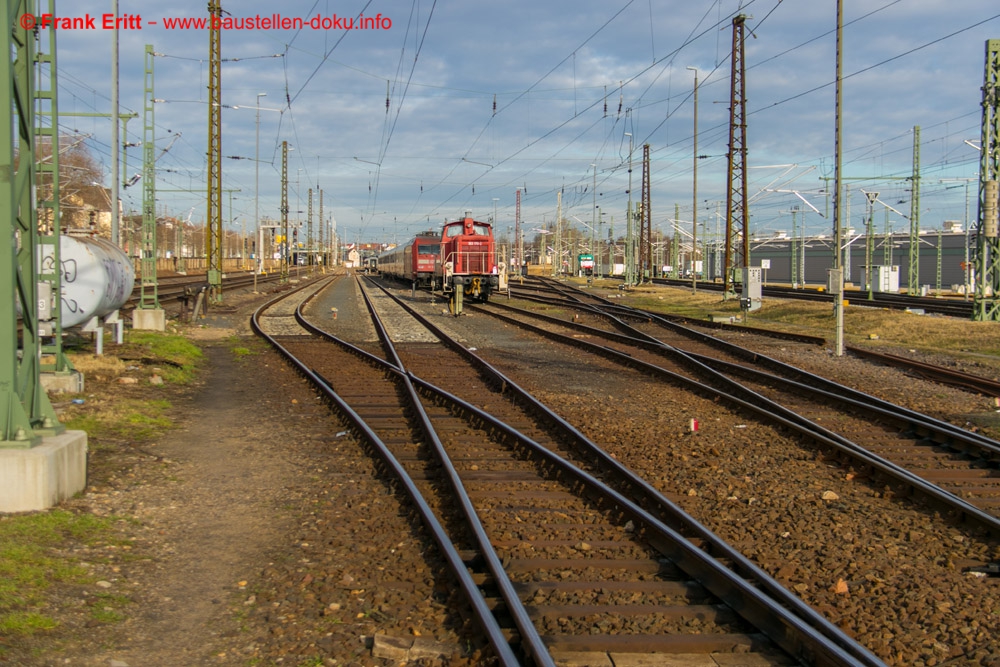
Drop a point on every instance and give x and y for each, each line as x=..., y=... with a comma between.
x=126, y=418
x=312, y=662
x=30, y=563
x=242, y=352
x=873, y=327
x=24, y=623
x=176, y=356
x=108, y=606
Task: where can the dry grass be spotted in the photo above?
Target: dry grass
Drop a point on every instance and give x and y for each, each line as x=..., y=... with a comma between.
x=869, y=327
x=104, y=368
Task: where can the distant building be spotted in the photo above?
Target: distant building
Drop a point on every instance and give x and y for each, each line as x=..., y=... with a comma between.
x=942, y=253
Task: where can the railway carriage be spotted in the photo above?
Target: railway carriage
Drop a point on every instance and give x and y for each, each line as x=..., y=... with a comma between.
x=417, y=261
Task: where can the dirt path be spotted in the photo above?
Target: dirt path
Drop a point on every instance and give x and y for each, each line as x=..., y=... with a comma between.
x=210, y=522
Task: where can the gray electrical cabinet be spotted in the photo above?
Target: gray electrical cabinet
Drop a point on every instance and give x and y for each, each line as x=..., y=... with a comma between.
x=750, y=298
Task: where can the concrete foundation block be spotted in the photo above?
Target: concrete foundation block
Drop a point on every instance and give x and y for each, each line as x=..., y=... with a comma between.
x=151, y=319
x=63, y=383
x=41, y=477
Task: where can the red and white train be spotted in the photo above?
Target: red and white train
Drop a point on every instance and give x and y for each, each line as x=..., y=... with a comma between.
x=460, y=261
x=418, y=260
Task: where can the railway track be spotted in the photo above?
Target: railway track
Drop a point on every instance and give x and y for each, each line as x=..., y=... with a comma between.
x=948, y=466
x=543, y=291
x=563, y=553
x=950, y=306
x=762, y=475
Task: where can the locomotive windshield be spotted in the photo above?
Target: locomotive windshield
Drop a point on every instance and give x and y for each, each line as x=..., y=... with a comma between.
x=478, y=229
x=429, y=249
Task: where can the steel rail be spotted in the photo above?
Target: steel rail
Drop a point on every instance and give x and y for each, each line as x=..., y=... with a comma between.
x=772, y=412
x=531, y=641
x=880, y=300
x=940, y=374
x=653, y=500
x=925, y=421
x=491, y=628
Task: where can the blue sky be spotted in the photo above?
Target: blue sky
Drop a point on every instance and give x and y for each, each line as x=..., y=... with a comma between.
x=552, y=67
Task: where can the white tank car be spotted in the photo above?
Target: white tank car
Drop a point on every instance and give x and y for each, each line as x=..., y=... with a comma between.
x=97, y=278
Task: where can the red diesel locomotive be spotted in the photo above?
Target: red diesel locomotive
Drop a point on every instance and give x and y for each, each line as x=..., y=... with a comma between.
x=460, y=261
x=468, y=261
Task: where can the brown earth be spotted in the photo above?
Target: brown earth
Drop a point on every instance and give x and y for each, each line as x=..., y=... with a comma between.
x=217, y=523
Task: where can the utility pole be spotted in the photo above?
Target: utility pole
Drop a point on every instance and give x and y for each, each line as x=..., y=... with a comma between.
x=646, y=224
x=148, y=314
x=258, y=258
x=593, y=221
x=629, y=224
x=50, y=269
x=737, y=252
x=284, y=212
x=115, y=189
x=557, y=260
x=793, y=267
x=837, y=274
x=214, y=219
x=937, y=283
x=913, y=275
x=517, y=233
x=694, y=190
x=870, y=243
x=27, y=411
x=322, y=228
x=676, y=271
x=986, y=304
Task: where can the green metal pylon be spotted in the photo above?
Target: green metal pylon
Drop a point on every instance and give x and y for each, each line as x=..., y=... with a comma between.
x=913, y=275
x=25, y=412
x=284, y=212
x=213, y=223
x=147, y=247
x=986, y=305
x=53, y=360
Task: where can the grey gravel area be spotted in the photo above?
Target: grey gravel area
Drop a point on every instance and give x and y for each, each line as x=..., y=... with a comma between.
x=883, y=569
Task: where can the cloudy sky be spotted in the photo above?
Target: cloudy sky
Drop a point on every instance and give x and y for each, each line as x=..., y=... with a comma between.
x=485, y=98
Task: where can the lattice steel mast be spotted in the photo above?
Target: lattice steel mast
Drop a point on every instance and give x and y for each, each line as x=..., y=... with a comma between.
x=986, y=305
x=214, y=220
x=645, y=223
x=309, y=230
x=322, y=230
x=284, y=212
x=50, y=269
x=737, y=252
x=913, y=274
x=518, y=261
x=147, y=246
x=26, y=411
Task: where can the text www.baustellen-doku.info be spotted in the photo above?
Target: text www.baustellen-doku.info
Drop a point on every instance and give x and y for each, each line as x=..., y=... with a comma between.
x=255, y=22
